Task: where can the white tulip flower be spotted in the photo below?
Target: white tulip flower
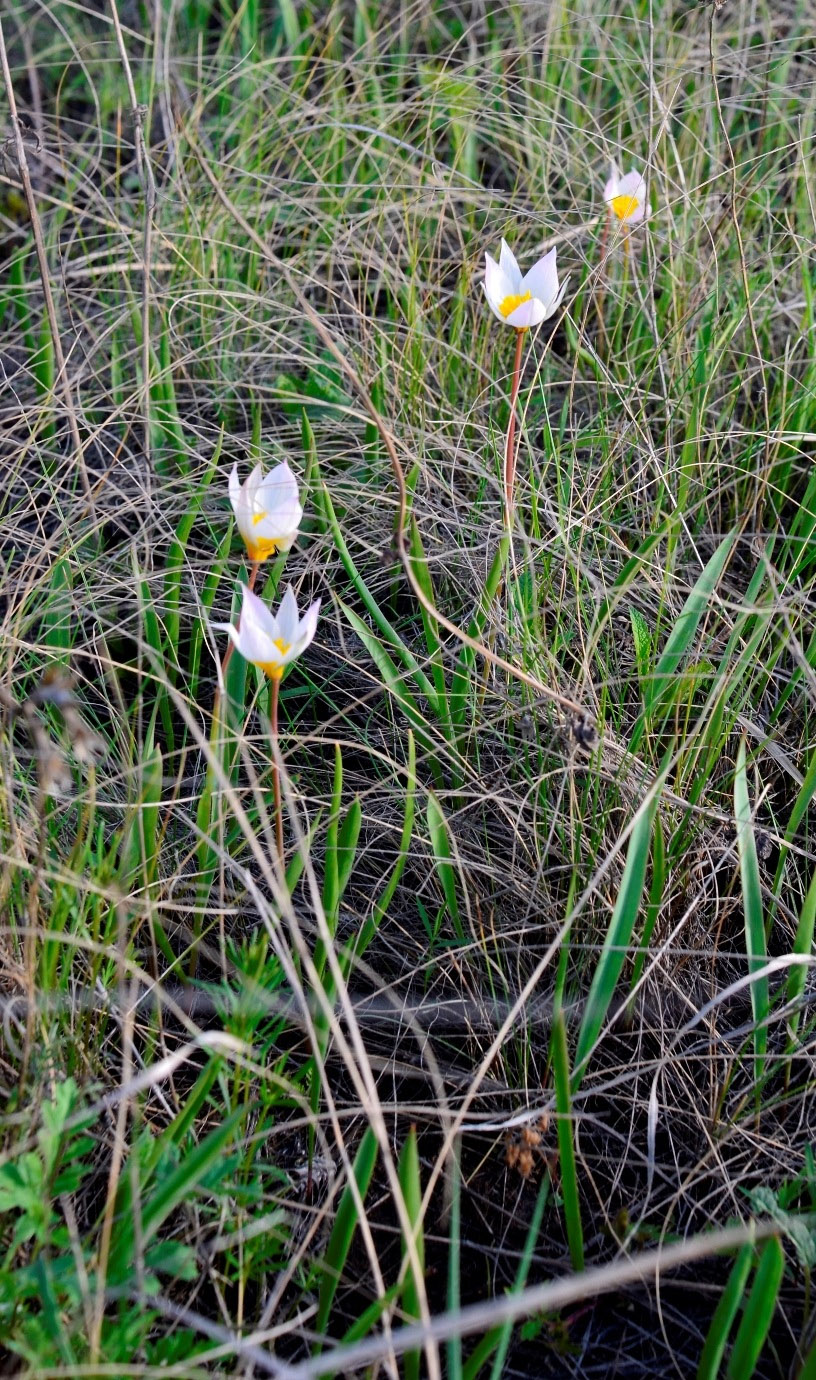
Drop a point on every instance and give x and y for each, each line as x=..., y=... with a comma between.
x=522, y=301
x=272, y=640
x=267, y=510
x=626, y=196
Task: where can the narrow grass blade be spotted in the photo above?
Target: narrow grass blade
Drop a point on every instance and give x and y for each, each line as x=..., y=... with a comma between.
x=411, y=1186
x=656, y=890
x=657, y=691
x=758, y=1313
x=345, y=1225
x=799, y=811
x=58, y=618
x=331, y=898
x=357, y=947
x=395, y=681
x=724, y=1315
x=347, y=845
x=419, y=564
x=462, y=676
x=395, y=642
x=174, y=564
x=443, y=862
x=496, y=1342
x=566, y=1147
x=685, y=628
x=752, y=904
x=138, y=855
x=618, y=938
x=802, y=944
x=642, y=638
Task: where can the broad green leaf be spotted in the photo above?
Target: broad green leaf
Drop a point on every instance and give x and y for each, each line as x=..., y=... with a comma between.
x=758, y=1313
x=724, y=1315
x=345, y=1225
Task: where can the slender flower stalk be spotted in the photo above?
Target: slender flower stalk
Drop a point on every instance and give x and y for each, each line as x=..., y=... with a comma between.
x=510, y=444
x=520, y=301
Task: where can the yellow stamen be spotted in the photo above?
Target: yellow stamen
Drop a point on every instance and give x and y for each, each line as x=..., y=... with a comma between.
x=258, y=517
x=274, y=669
x=508, y=304
x=263, y=548
x=624, y=206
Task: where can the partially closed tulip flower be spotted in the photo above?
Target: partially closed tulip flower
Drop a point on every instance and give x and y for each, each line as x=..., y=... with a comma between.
x=271, y=640
x=267, y=510
x=522, y=301
x=626, y=196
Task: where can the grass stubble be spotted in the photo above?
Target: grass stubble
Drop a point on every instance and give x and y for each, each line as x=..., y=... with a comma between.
x=507, y=1068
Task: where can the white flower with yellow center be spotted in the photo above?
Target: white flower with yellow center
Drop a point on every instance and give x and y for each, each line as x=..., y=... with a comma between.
x=267, y=510
x=626, y=196
x=522, y=301
x=272, y=640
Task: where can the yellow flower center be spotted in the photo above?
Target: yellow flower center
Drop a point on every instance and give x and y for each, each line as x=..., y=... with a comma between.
x=274, y=669
x=263, y=548
x=624, y=206
x=508, y=304
x=258, y=517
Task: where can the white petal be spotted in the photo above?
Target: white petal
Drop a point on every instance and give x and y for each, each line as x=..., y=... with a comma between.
x=229, y=629
x=494, y=306
x=308, y=625
x=234, y=489
x=287, y=619
x=509, y=267
x=496, y=284
x=251, y=485
x=632, y=184
x=278, y=489
x=612, y=185
x=542, y=280
x=528, y=314
x=257, y=615
x=559, y=299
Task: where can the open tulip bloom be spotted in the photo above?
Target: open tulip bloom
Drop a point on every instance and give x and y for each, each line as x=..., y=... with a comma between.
x=272, y=640
x=267, y=510
x=626, y=196
x=522, y=301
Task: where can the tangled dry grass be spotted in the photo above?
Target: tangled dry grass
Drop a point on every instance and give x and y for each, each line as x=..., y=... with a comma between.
x=513, y=973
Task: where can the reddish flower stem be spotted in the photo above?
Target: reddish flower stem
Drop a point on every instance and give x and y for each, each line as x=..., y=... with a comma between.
x=510, y=445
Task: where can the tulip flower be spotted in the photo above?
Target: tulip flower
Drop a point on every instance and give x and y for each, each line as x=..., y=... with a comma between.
x=272, y=640
x=626, y=196
x=267, y=510
x=522, y=301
